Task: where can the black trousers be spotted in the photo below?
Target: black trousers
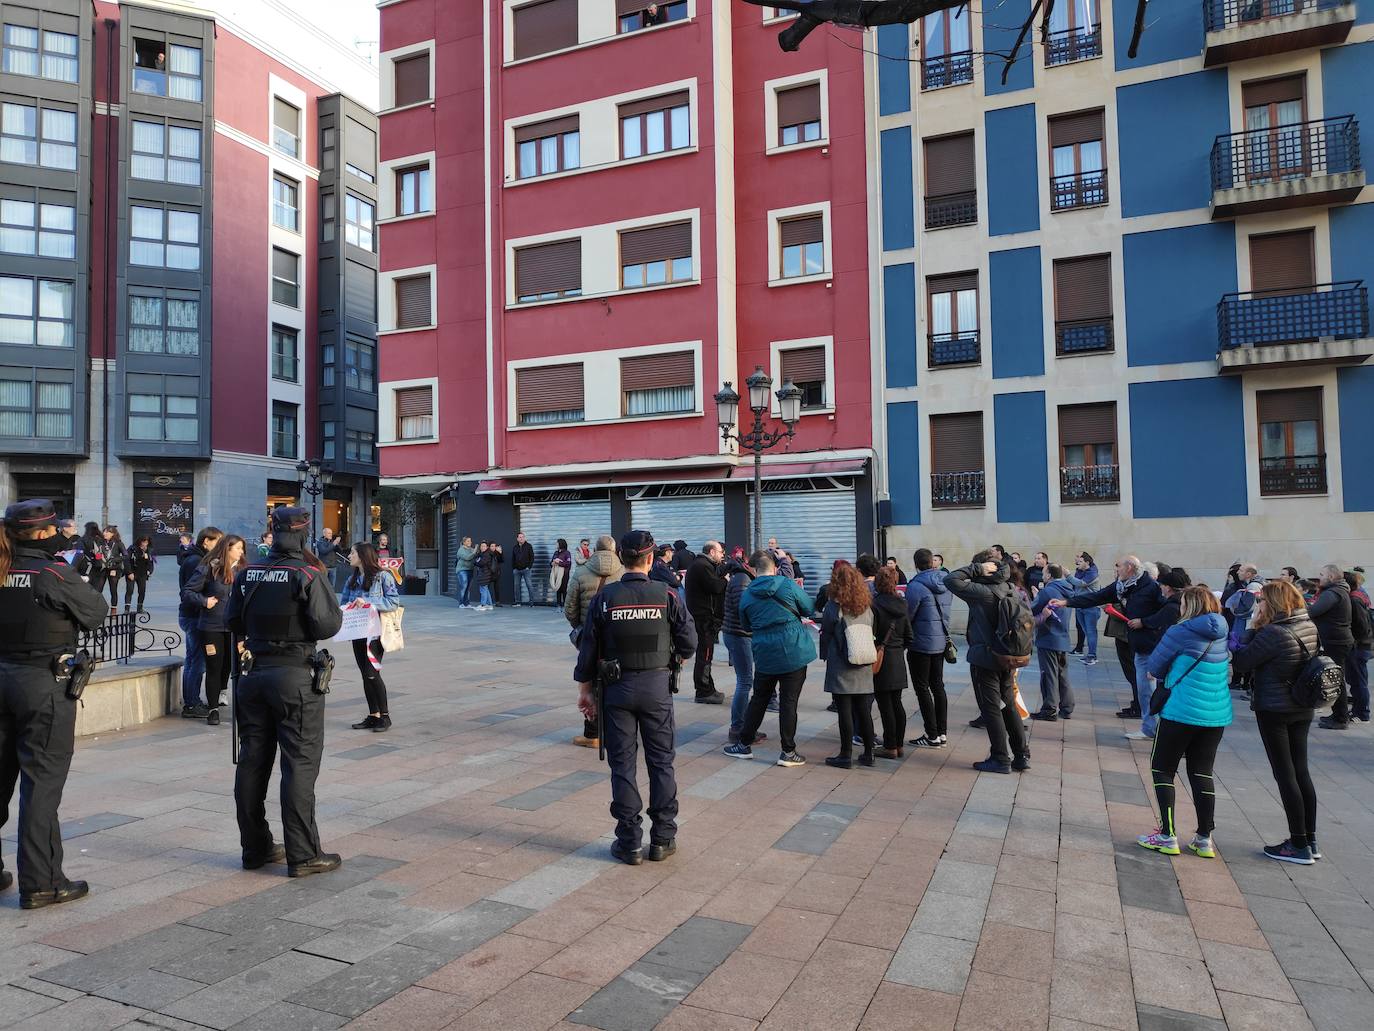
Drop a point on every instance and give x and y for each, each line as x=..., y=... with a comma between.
x=374, y=687
x=1285, y=742
x=702, y=680
x=640, y=707
x=112, y=582
x=1126, y=657
x=928, y=677
x=139, y=583
x=1340, y=655
x=219, y=666
x=995, y=692
x=893, y=715
x=37, y=738
x=789, y=688
x=855, y=711
x=1173, y=743
x=277, y=710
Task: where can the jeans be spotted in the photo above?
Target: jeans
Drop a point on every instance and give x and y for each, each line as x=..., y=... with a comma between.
x=1357, y=676
x=789, y=687
x=928, y=678
x=1086, y=621
x=522, y=579
x=1285, y=743
x=464, y=584
x=1199, y=744
x=1055, y=693
x=193, y=669
x=995, y=691
x=1144, y=687
x=484, y=595
x=219, y=667
x=702, y=680
x=742, y=659
x=139, y=584
x=374, y=687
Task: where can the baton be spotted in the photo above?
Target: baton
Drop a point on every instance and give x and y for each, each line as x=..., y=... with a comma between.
x=600, y=720
x=234, y=707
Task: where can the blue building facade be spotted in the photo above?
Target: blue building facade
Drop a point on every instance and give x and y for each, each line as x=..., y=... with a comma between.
x=1133, y=310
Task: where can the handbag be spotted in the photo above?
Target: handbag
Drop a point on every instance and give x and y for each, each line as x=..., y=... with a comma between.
x=1320, y=681
x=951, y=652
x=859, y=646
x=1160, y=697
x=392, y=638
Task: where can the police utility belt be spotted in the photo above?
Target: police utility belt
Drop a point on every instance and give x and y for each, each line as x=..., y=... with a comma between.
x=265, y=656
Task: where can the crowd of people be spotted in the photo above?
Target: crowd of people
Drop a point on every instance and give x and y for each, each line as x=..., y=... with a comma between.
x=104, y=561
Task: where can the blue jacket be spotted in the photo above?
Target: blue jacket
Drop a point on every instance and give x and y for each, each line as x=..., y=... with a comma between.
x=382, y=595
x=934, y=582
x=1053, y=633
x=1201, y=694
x=772, y=608
x=927, y=632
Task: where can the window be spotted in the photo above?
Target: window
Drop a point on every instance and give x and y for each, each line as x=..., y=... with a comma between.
x=167, y=238
x=50, y=418
x=359, y=217
x=548, y=271
x=54, y=410
x=1282, y=263
x=658, y=384
x=163, y=408
x=541, y=28
x=286, y=127
x=1088, y=469
x=947, y=57
x=544, y=147
x=284, y=420
x=165, y=153
x=37, y=229
x=285, y=203
x=657, y=255
x=31, y=135
x=1276, y=147
x=328, y=214
x=951, y=181
x=549, y=394
x=770, y=13
x=362, y=174
x=54, y=59
x=799, y=114
x=166, y=71
x=411, y=79
x=328, y=148
x=805, y=368
x=956, y=461
x=360, y=435
x=327, y=439
x=285, y=278
x=37, y=312
x=1075, y=32
x=413, y=303
x=1079, y=177
x=1083, y=305
x=414, y=190
x=414, y=413
x=285, y=354
x=655, y=125
x=164, y=323
x=327, y=357
x=360, y=361
x=953, y=315
x=1292, y=451
x=802, y=242
x=16, y=402
x=633, y=15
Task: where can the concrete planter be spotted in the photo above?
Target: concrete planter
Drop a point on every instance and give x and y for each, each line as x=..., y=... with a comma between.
x=122, y=696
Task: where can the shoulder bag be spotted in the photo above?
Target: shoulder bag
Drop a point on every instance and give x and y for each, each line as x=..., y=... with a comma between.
x=951, y=651
x=1319, y=682
x=1160, y=697
x=859, y=646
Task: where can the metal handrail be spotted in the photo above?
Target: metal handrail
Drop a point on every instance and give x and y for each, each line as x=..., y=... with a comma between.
x=963, y=348
x=1069, y=45
x=958, y=490
x=1078, y=190
x=1297, y=150
x=1226, y=14
x=1083, y=336
x=1089, y=483
x=1336, y=310
x=944, y=70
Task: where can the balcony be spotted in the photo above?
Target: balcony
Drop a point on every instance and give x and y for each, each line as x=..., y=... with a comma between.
x=1087, y=484
x=958, y=490
x=952, y=209
x=1289, y=166
x=1083, y=336
x=1322, y=325
x=1070, y=45
x=946, y=349
x=947, y=70
x=1078, y=190
x=1238, y=30
x=1293, y=474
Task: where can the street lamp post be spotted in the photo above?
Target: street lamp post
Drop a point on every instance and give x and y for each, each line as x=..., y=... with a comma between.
x=758, y=439
x=313, y=478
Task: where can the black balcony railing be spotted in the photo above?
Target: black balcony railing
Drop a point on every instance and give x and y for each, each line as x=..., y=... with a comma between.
x=954, y=348
x=1227, y=14
x=1339, y=311
x=1078, y=190
x=1089, y=483
x=947, y=70
x=952, y=209
x=1293, y=474
x=1083, y=336
x=125, y=634
x=1070, y=45
x=1326, y=146
x=958, y=490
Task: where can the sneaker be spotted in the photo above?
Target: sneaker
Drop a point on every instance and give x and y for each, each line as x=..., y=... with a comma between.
x=1021, y=763
x=1331, y=723
x=382, y=725
x=195, y=712
x=840, y=762
x=1131, y=712
x=791, y=759
x=213, y=718
x=1091, y=660
x=925, y=741
x=1202, y=846
x=1166, y=844
x=366, y=723
x=1312, y=847
x=1138, y=735
x=977, y=724
x=1286, y=853
x=714, y=698
x=1065, y=715
x=1048, y=715
x=944, y=740
x=858, y=740
x=991, y=765
x=738, y=751
x=773, y=705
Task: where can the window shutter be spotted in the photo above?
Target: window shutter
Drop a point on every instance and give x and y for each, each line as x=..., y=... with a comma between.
x=952, y=284
x=950, y=165
x=1083, y=127
x=544, y=27
x=1282, y=261
x=286, y=116
x=1083, y=288
x=360, y=291
x=284, y=265
x=414, y=403
x=360, y=147
x=1087, y=424
x=553, y=388
x=657, y=243
x=552, y=127
x=624, y=7
x=412, y=79
x=657, y=371
x=803, y=365
x=807, y=229
x=1289, y=405
x=1273, y=91
x=548, y=268
x=799, y=105
x=660, y=103
x=412, y=302
x=956, y=443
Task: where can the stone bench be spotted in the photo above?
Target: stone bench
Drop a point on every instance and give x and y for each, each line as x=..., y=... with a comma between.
x=123, y=696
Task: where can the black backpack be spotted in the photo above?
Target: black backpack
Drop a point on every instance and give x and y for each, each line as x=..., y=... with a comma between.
x=1014, y=634
x=1361, y=624
x=1319, y=682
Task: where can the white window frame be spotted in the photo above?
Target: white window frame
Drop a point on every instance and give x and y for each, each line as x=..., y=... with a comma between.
x=387, y=79
x=773, y=15
x=386, y=412
x=386, y=300
x=771, y=89
x=775, y=352
x=778, y=215
x=388, y=172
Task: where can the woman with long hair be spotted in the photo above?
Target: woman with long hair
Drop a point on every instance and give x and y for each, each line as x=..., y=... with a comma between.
x=851, y=686
x=893, y=631
x=1275, y=648
x=141, y=563
x=560, y=571
x=371, y=585
x=114, y=564
x=208, y=591
x=482, y=572
x=93, y=551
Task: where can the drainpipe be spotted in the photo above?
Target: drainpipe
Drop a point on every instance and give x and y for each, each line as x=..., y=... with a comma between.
x=111, y=183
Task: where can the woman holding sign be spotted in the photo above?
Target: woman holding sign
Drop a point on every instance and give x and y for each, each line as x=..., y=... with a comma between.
x=370, y=585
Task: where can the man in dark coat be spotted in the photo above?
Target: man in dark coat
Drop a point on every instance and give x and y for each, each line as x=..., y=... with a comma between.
x=1330, y=610
x=706, y=602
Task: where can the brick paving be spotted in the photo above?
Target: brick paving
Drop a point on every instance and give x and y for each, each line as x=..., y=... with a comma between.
x=477, y=891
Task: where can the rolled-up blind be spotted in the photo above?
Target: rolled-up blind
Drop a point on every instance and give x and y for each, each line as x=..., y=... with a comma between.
x=552, y=127
x=360, y=146
x=1083, y=288
x=657, y=371
x=952, y=284
x=551, y=388
x=286, y=117
x=544, y=27
x=1087, y=424
x=803, y=365
x=1273, y=91
x=659, y=103
x=1282, y=261
x=956, y=442
x=412, y=302
x=414, y=403
x=548, y=268
x=950, y=165
x=1304, y=405
x=624, y=7
x=807, y=229
x=800, y=105
x=657, y=243
x=412, y=79
x=1082, y=127
x=284, y=265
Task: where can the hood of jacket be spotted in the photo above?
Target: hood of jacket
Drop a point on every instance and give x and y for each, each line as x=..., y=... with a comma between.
x=734, y=566
x=932, y=580
x=1209, y=626
x=603, y=563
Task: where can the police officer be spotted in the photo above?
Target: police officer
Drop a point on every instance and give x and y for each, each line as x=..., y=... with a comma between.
x=44, y=603
x=281, y=606
x=642, y=625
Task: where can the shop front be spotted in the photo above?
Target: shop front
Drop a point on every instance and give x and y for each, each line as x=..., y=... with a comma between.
x=548, y=515
x=59, y=488
x=164, y=509
x=693, y=512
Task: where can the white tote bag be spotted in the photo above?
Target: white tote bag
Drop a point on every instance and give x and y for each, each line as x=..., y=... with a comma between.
x=392, y=638
x=859, y=645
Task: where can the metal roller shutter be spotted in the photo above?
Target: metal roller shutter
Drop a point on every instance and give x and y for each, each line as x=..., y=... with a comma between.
x=1282, y=262
x=452, y=539
x=817, y=527
x=412, y=80
x=799, y=105
x=1087, y=424
x=544, y=27
x=807, y=229
x=552, y=127
x=548, y=268
x=956, y=443
x=1083, y=288
x=412, y=302
x=545, y=522
x=1083, y=127
x=651, y=104
x=1300, y=405
x=950, y=165
x=695, y=520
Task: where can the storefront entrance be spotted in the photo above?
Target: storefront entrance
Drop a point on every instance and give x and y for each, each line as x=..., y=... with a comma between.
x=59, y=488
x=164, y=509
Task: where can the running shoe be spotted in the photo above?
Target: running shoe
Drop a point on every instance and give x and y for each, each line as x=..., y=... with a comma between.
x=1202, y=846
x=1312, y=847
x=738, y=751
x=1287, y=853
x=1166, y=844
x=791, y=759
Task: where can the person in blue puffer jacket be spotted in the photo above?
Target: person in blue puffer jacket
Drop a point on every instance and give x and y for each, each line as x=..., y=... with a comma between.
x=927, y=607
x=1052, y=645
x=1192, y=664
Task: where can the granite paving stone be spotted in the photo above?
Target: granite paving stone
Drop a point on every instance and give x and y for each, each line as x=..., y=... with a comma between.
x=149, y=989
x=817, y=830
x=235, y=999
x=283, y=1016
x=355, y=989
x=932, y=961
x=95, y=971
x=235, y=953
x=554, y=791
x=16, y=1004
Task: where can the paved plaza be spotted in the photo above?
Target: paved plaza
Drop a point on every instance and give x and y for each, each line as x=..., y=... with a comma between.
x=477, y=891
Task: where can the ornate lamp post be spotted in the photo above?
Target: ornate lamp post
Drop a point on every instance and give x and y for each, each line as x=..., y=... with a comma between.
x=313, y=478
x=758, y=439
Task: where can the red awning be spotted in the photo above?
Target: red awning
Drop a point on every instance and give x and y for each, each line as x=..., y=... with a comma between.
x=705, y=474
